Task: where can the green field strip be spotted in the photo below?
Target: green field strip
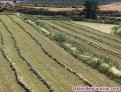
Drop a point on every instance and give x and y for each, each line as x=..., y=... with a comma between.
x=109, y=41
x=8, y=81
x=59, y=78
x=28, y=78
x=67, y=59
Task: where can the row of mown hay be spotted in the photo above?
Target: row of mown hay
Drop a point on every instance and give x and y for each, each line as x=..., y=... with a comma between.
x=14, y=68
x=46, y=83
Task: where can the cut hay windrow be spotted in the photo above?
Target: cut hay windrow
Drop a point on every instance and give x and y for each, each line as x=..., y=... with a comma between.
x=47, y=84
x=8, y=77
x=14, y=68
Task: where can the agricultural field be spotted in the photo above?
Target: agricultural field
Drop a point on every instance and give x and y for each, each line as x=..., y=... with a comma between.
x=35, y=59
x=106, y=28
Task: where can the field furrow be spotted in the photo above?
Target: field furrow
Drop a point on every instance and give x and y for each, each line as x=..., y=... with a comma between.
x=46, y=66
x=25, y=77
x=64, y=57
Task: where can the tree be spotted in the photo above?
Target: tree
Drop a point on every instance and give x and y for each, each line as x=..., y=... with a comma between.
x=91, y=9
x=14, y=1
